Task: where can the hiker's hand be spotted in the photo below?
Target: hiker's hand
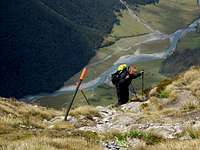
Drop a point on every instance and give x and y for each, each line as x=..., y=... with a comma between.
x=127, y=76
x=142, y=72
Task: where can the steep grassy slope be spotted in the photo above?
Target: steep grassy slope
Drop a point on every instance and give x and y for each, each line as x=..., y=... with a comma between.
x=168, y=120
x=128, y=26
x=43, y=43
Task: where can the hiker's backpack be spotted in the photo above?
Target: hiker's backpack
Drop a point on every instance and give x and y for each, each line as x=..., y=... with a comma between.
x=115, y=77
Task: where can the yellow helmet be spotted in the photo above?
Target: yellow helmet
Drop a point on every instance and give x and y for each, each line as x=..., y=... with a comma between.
x=122, y=67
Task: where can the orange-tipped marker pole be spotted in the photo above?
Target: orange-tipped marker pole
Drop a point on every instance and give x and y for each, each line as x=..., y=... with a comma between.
x=83, y=75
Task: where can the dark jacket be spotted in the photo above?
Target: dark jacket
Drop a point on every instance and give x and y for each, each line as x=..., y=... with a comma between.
x=123, y=86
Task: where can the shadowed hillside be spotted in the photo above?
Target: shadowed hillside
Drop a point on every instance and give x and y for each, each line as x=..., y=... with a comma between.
x=186, y=55
x=181, y=61
x=43, y=43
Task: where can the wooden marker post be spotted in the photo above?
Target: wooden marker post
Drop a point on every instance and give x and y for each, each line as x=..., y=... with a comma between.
x=83, y=74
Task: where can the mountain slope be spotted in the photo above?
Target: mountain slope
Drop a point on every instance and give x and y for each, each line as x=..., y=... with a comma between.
x=186, y=55
x=170, y=118
x=43, y=43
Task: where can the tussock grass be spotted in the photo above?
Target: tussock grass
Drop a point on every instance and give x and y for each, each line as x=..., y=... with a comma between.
x=85, y=111
x=44, y=143
x=154, y=104
x=191, y=75
x=88, y=135
x=162, y=85
x=150, y=138
x=63, y=125
x=173, y=145
x=110, y=135
x=171, y=112
x=188, y=80
x=15, y=114
x=195, y=88
x=190, y=106
x=190, y=131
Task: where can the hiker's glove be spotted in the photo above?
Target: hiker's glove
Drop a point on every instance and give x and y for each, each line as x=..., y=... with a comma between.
x=142, y=72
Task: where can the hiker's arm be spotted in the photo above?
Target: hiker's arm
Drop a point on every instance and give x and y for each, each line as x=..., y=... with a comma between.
x=138, y=74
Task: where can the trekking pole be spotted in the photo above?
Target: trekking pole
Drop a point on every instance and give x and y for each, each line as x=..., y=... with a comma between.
x=134, y=92
x=142, y=83
x=85, y=97
x=83, y=74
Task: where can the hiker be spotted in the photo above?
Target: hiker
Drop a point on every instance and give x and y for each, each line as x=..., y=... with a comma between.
x=122, y=79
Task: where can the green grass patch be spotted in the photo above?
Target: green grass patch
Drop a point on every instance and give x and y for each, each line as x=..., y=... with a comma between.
x=163, y=84
x=152, y=75
x=170, y=15
x=164, y=94
x=148, y=137
x=128, y=26
x=190, y=41
x=154, y=46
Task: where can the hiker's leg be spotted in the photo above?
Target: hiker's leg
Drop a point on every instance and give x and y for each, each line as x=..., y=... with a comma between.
x=123, y=91
x=123, y=95
x=118, y=95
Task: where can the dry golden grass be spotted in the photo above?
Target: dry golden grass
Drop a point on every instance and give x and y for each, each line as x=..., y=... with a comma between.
x=195, y=88
x=171, y=112
x=46, y=143
x=189, y=106
x=150, y=117
x=110, y=135
x=194, y=133
x=153, y=104
x=85, y=111
x=15, y=114
x=11, y=106
x=173, y=145
x=189, y=80
x=62, y=125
